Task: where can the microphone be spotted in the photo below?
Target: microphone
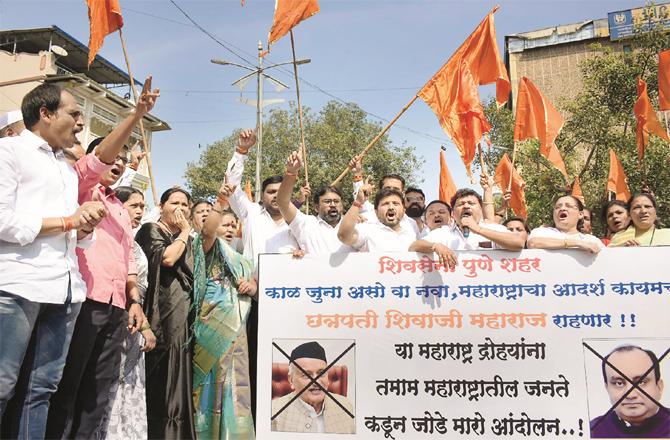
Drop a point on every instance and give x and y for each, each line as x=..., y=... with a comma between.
x=466, y=232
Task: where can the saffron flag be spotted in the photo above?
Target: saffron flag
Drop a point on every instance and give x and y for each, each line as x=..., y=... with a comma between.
x=647, y=121
x=452, y=92
x=504, y=173
x=447, y=186
x=537, y=118
x=288, y=13
x=664, y=80
x=104, y=17
x=577, y=190
x=617, y=182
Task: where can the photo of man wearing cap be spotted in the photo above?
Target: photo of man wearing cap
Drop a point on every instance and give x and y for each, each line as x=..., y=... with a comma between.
x=313, y=410
x=11, y=123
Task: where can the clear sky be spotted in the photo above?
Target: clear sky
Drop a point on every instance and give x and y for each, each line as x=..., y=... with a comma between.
x=376, y=53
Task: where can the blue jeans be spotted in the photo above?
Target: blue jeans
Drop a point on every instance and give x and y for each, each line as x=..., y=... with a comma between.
x=50, y=326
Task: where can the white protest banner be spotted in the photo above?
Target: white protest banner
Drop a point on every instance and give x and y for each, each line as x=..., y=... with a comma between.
x=507, y=345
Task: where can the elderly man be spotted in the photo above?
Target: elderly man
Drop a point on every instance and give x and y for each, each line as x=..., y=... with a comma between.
x=637, y=415
x=315, y=235
x=41, y=289
x=470, y=231
x=11, y=124
x=313, y=410
x=384, y=235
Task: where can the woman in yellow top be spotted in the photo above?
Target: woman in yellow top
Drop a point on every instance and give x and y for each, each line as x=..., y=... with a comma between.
x=644, y=230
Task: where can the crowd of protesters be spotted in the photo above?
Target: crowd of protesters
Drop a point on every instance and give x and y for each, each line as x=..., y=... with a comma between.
x=117, y=323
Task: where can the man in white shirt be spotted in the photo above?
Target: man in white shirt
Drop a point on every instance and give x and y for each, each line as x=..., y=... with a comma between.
x=415, y=205
x=315, y=234
x=469, y=231
x=41, y=289
x=263, y=227
x=385, y=235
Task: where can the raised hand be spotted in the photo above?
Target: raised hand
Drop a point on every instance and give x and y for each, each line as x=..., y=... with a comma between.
x=245, y=141
x=365, y=190
x=147, y=99
x=486, y=181
x=293, y=163
x=356, y=165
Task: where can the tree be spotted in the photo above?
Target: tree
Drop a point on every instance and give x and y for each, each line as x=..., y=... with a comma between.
x=333, y=137
x=598, y=118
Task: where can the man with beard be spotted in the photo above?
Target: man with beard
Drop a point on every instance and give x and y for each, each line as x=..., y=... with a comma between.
x=315, y=235
x=389, y=181
x=113, y=303
x=385, y=235
x=470, y=232
x=313, y=410
x=41, y=289
x=415, y=204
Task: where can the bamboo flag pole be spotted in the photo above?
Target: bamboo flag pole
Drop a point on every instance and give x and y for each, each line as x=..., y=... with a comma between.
x=303, y=147
x=511, y=174
x=145, y=144
x=376, y=138
x=481, y=159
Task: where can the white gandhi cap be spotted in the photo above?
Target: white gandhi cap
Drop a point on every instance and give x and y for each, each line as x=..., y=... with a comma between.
x=9, y=118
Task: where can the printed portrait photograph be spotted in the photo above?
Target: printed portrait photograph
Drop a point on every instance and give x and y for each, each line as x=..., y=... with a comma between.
x=313, y=386
x=626, y=387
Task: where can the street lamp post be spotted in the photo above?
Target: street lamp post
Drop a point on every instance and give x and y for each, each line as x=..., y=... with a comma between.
x=259, y=71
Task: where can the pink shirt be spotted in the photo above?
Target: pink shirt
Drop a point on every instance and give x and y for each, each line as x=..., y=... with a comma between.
x=105, y=265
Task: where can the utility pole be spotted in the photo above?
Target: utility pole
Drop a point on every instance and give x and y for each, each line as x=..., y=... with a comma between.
x=260, y=74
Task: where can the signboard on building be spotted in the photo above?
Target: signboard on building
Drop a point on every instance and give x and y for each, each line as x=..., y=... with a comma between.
x=622, y=23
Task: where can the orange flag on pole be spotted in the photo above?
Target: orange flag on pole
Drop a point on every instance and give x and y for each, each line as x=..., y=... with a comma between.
x=664, y=80
x=647, y=121
x=617, y=182
x=537, y=118
x=104, y=17
x=504, y=172
x=447, y=186
x=453, y=95
x=288, y=13
x=577, y=190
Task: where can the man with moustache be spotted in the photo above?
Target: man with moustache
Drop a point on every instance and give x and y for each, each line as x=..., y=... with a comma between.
x=315, y=235
x=637, y=415
x=41, y=225
x=470, y=232
x=113, y=305
x=313, y=411
x=385, y=235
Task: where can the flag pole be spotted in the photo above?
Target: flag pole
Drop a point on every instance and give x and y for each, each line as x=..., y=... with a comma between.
x=376, y=138
x=511, y=174
x=145, y=144
x=481, y=159
x=303, y=147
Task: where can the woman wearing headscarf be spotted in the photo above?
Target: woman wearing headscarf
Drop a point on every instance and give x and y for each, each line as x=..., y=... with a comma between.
x=168, y=306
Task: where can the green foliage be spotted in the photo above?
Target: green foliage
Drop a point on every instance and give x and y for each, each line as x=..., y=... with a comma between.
x=333, y=137
x=598, y=118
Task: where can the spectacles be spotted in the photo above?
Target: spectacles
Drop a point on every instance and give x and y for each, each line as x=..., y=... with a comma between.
x=566, y=206
x=331, y=201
